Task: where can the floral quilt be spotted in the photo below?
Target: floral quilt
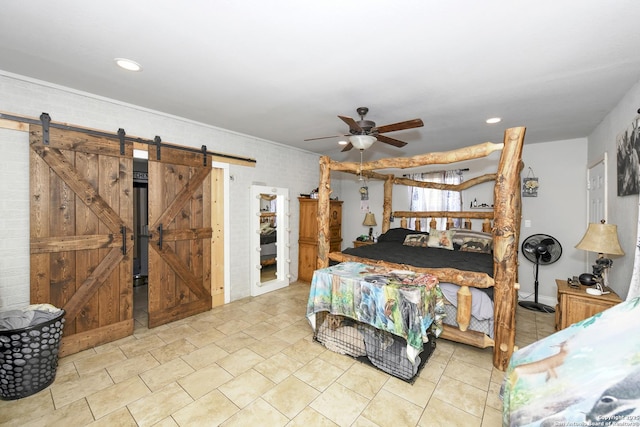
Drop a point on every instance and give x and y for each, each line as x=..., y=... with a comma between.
x=397, y=301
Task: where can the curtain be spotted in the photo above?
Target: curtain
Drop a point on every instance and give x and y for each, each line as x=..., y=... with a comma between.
x=429, y=199
x=634, y=287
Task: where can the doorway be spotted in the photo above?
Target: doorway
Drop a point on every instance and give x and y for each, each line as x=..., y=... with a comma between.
x=140, y=242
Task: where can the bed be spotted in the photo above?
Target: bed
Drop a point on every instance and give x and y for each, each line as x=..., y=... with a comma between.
x=503, y=222
x=586, y=374
x=468, y=250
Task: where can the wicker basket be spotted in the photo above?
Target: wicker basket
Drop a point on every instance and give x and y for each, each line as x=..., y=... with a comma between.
x=29, y=358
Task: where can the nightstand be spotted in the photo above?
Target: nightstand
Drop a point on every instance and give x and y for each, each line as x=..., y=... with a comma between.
x=575, y=304
x=358, y=243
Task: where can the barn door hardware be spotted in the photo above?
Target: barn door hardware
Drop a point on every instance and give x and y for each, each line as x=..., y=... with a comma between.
x=121, y=135
x=45, y=123
x=45, y=119
x=160, y=236
x=123, y=230
x=204, y=155
x=158, y=143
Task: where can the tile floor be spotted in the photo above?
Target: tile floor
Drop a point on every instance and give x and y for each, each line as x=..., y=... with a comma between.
x=253, y=363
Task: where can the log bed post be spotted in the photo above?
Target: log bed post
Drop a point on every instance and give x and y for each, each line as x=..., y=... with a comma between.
x=386, y=203
x=505, y=251
x=324, y=193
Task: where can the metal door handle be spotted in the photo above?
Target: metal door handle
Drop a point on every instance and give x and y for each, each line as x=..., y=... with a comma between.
x=160, y=236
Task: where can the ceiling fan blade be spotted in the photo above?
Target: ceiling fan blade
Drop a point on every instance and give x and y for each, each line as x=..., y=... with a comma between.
x=408, y=124
x=325, y=137
x=347, y=147
x=351, y=123
x=391, y=141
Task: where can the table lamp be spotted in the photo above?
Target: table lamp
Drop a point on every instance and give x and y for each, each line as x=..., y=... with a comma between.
x=370, y=221
x=603, y=239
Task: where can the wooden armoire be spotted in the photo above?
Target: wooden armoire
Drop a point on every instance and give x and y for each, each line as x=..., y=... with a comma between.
x=308, y=239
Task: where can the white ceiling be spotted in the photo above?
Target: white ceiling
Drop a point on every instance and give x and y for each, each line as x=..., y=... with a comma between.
x=283, y=70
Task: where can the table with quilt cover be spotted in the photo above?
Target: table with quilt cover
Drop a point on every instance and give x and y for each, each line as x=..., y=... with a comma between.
x=585, y=375
x=401, y=302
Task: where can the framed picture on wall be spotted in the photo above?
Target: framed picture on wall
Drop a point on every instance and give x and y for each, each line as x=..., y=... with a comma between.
x=530, y=187
x=628, y=150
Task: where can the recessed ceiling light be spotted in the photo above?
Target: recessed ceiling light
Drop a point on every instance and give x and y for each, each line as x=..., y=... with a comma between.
x=342, y=142
x=494, y=120
x=128, y=64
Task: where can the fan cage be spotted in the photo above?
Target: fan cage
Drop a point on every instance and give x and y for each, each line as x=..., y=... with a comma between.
x=530, y=244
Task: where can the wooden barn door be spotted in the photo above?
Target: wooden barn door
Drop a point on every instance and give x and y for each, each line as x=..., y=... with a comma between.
x=81, y=229
x=180, y=234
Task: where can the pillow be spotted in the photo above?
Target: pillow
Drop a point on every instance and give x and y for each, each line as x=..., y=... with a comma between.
x=266, y=228
x=440, y=239
x=397, y=235
x=421, y=240
x=474, y=244
x=460, y=234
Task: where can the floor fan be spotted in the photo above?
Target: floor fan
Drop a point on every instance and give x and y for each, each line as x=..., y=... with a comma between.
x=541, y=249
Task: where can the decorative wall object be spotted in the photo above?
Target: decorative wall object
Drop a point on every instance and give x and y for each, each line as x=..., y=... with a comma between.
x=364, y=193
x=530, y=185
x=628, y=153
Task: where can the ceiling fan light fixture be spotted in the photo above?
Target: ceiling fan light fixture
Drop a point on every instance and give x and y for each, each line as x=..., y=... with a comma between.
x=362, y=142
x=128, y=64
x=342, y=142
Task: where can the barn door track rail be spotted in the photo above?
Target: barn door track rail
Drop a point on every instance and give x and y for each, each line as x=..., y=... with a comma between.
x=46, y=123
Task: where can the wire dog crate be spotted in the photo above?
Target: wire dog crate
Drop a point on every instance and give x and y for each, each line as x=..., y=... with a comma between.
x=367, y=344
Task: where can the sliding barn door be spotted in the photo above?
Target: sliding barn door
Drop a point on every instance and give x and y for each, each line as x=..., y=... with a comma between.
x=81, y=228
x=180, y=234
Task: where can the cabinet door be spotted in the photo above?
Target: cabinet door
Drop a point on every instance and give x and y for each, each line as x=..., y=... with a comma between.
x=335, y=226
x=307, y=257
x=582, y=308
x=335, y=216
x=309, y=219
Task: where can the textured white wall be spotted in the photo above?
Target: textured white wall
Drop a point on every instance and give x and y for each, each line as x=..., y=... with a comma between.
x=14, y=219
x=277, y=165
x=622, y=211
x=559, y=210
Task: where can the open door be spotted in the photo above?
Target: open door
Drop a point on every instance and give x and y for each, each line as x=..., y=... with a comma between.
x=81, y=233
x=180, y=234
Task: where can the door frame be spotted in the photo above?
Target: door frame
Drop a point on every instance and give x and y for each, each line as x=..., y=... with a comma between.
x=589, y=257
x=220, y=184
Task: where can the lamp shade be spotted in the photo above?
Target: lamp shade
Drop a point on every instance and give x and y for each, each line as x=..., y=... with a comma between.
x=362, y=142
x=601, y=238
x=369, y=220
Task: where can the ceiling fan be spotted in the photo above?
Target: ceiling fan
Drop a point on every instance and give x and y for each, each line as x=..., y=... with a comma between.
x=363, y=133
